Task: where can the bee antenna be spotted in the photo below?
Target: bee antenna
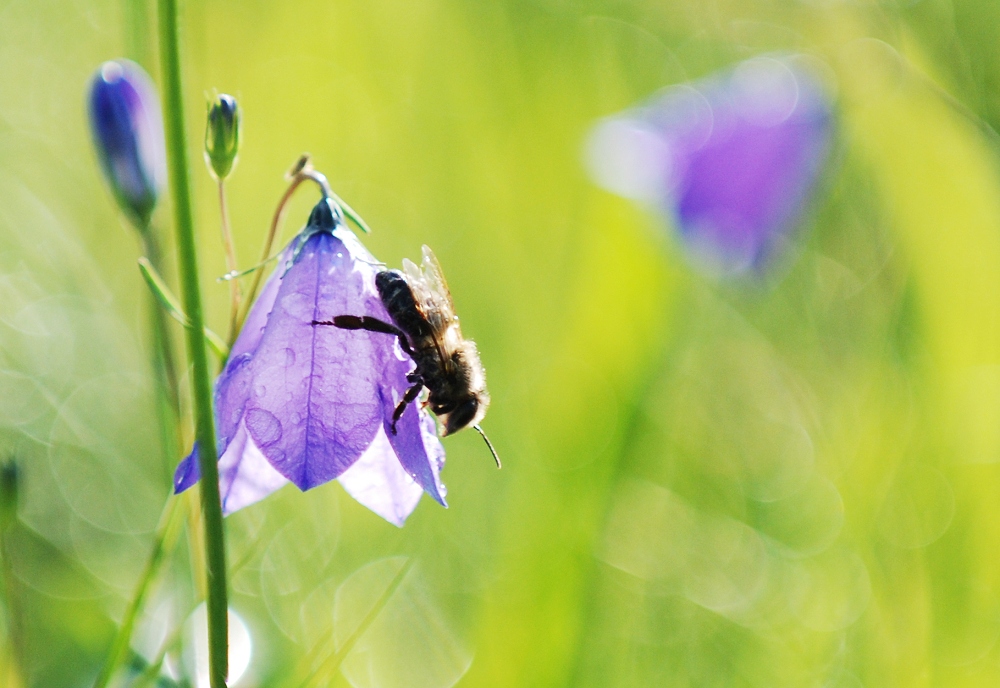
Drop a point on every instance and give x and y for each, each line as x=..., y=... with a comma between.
x=488, y=444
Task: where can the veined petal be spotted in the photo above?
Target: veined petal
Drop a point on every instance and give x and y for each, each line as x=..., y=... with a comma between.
x=232, y=389
x=253, y=326
x=377, y=480
x=313, y=408
x=416, y=443
x=245, y=476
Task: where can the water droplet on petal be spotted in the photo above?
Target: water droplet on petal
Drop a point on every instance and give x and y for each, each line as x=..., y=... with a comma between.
x=260, y=390
x=289, y=357
x=263, y=426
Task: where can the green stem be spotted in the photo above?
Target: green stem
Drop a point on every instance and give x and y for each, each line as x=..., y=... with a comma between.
x=163, y=543
x=15, y=634
x=231, y=265
x=266, y=254
x=164, y=366
x=187, y=263
x=333, y=661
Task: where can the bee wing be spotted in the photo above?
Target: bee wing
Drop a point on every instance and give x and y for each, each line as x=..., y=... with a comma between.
x=439, y=295
x=430, y=291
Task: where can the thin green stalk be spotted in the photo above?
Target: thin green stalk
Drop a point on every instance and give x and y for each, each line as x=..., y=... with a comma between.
x=163, y=543
x=164, y=366
x=266, y=254
x=15, y=630
x=300, y=172
x=333, y=661
x=152, y=670
x=165, y=299
x=231, y=264
x=187, y=263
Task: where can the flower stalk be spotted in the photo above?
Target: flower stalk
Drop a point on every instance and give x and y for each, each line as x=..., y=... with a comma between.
x=14, y=654
x=164, y=366
x=301, y=171
x=222, y=147
x=231, y=265
x=163, y=544
x=178, y=165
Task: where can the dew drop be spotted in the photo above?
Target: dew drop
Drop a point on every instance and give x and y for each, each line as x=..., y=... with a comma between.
x=263, y=426
x=289, y=357
x=296, y=417
x=260, y=390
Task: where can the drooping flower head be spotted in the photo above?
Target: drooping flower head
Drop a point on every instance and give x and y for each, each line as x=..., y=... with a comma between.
x=308, y=404
x=731, y=159
x=127, y=128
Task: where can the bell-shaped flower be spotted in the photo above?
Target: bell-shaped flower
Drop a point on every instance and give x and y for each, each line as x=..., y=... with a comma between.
x=127, y=128
x=309, y=403
x=731, y=160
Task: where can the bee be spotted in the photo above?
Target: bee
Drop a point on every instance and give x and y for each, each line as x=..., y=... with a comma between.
x=424, y=321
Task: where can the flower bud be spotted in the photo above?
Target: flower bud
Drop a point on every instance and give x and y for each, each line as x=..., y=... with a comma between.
x=222, y=135
x=127, y=127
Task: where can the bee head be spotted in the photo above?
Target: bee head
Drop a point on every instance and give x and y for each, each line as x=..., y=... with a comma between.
x=468, y=412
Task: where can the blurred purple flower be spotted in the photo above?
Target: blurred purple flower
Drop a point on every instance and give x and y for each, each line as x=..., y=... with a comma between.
x=732, y=159
x=127, y=127
x=308, y=404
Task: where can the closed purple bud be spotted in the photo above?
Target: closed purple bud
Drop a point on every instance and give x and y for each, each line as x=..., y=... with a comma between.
x=306, y=403
x=731, y=159
x=127, y=128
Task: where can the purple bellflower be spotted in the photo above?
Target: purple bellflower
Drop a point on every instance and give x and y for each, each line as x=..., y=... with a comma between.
x=307, y=404
x=127, y=128
x=731, y=159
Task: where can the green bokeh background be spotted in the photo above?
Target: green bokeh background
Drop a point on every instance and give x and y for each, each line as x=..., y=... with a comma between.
x=789, y=481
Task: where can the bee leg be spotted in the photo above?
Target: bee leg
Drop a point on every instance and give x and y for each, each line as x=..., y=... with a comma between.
x=410, y=395
x=370, y=324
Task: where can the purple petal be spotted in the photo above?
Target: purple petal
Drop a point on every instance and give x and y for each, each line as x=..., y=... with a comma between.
x=188, y=472
x=245, y=476
x=416, y=443
x=313, y=408
x=232, y=389
x=378, y=481
x=253, y=326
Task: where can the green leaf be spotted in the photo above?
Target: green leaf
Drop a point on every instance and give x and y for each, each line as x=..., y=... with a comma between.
x=173, y=307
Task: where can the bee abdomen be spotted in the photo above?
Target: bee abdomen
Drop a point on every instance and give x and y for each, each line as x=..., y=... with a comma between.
x=398, y=299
